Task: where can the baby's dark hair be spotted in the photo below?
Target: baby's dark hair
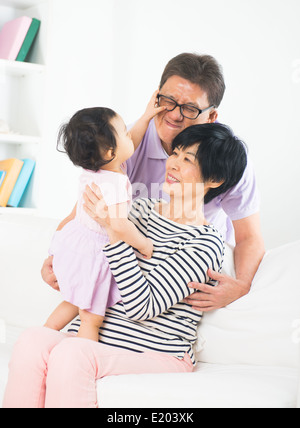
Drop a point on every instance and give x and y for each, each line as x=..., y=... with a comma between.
x=88, y=136
x=222, y=157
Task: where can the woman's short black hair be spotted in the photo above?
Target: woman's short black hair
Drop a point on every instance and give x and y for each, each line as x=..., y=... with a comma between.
x=88, y=136
x=222, y=157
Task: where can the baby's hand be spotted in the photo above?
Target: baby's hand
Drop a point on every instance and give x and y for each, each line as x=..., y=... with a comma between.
x=152, y=108
x=147, y=250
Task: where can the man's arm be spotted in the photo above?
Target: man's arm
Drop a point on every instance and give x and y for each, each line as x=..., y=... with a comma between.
x=248, y=254
x=249, y=250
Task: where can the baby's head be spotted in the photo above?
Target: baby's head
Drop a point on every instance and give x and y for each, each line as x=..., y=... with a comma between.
x=95, y=137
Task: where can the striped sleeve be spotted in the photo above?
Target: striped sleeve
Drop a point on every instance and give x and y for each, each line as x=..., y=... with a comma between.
x=146, y=297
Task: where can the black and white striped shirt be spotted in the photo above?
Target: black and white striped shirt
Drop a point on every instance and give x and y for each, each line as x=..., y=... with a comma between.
x=152, y=316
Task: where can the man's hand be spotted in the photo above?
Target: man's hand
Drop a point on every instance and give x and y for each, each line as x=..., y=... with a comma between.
x=210, y=298
x=48, y=275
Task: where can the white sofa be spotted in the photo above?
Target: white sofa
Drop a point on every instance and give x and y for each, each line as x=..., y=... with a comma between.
x=248, y=352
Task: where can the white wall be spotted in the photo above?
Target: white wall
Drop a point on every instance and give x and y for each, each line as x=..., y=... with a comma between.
x=79, y=74
x=113, y=53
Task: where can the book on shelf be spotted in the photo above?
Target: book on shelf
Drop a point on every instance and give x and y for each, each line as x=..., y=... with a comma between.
x=12, y=168
x=12, y=37
x=2, y=175
x=17, y=37
x=29, y=39
x=21, y=183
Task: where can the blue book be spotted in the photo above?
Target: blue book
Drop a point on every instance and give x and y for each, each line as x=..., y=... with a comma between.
x=22, y=182
x=2, y=176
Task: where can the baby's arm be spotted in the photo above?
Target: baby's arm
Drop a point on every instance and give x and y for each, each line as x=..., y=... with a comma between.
x=140, y=127
x=127, y=231
x=67, y=219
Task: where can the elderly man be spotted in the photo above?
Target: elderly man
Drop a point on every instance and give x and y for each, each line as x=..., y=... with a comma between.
x=191, y=89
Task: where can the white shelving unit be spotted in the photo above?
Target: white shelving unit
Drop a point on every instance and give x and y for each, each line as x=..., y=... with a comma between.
x=22, y=88
x=70, y=67
x=20, y=69
x=19, y=139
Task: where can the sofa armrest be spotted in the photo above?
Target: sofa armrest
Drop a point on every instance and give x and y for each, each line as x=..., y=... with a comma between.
x=25, y=300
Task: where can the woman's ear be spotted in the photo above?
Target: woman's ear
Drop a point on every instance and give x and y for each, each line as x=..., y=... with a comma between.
x=213, y=184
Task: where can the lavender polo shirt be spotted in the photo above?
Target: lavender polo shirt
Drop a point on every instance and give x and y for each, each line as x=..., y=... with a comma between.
x=146, y=171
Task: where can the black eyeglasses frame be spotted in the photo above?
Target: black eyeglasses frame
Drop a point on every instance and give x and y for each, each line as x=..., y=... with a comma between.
x=181, y=106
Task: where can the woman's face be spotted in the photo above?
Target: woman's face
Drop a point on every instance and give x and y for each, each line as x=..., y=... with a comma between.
x=183, y=174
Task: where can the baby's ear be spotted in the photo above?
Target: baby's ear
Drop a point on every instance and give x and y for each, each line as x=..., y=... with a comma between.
x=109, y=155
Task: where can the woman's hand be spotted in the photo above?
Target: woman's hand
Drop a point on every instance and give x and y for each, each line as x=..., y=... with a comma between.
x=97, y=209
x=95, y=205
x=48, y=275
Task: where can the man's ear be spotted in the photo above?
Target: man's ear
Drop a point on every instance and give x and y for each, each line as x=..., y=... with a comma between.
x=213, y=116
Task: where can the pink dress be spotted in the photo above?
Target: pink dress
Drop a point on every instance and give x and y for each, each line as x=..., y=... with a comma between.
x=81, y=268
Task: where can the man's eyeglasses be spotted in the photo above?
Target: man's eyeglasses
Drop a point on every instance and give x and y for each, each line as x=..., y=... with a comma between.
x=188, y=111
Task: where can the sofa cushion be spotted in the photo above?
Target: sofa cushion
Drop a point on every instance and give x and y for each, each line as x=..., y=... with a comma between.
x=259, y=328
x=210, y=386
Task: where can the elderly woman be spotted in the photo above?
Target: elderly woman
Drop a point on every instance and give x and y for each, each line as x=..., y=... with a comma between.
x=152, y=330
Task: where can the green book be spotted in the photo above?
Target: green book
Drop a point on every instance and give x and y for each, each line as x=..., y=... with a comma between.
x=29, y=39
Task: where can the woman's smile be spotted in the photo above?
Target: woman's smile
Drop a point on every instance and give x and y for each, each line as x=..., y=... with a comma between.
x=171, y=179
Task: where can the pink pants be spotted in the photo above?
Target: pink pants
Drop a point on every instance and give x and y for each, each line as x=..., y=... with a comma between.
x=56, y=370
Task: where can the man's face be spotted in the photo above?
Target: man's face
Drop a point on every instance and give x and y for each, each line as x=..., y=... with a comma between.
x=170, y=123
